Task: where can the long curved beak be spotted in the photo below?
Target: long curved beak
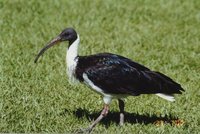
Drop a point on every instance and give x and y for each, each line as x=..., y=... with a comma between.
x=50, y=44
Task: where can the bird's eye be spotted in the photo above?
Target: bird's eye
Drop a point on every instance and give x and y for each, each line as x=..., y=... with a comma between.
x=66, y=34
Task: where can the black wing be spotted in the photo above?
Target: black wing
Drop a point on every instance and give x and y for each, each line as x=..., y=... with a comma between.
x=130, y=62
x=118, y=75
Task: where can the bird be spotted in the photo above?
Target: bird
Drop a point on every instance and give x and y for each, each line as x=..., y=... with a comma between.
x=112, y=76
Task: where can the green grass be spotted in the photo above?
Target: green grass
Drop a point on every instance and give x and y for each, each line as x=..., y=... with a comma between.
x=162, y=35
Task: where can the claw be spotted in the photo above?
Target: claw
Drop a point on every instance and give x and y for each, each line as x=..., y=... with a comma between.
x=84, y=130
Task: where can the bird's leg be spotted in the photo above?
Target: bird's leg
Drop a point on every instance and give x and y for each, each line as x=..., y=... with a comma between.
x=104, y=112
x=121, y=108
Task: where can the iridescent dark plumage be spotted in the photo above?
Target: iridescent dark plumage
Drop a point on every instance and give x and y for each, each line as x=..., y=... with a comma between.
x=115, y=74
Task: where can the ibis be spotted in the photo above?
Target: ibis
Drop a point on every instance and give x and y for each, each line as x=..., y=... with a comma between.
x=112, y=76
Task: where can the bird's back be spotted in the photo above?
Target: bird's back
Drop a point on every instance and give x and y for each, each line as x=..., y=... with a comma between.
x=116, y=74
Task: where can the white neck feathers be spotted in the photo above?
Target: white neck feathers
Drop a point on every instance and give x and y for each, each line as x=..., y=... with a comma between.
x=72, y=53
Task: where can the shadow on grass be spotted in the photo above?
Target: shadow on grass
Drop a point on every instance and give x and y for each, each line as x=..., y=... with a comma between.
x=131, y=118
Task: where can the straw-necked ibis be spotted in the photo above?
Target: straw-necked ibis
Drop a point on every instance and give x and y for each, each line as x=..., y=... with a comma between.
x=113, y=76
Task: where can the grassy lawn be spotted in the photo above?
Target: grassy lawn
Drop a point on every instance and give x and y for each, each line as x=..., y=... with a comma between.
x=162, y=35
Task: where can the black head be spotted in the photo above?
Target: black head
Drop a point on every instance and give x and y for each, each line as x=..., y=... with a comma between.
x=68, y=34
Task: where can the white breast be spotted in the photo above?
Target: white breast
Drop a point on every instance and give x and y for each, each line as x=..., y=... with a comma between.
x=71, y=59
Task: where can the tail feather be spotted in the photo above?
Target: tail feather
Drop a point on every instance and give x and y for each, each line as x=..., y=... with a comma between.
x=166, y=96
x=164, y=85
x=172, y=83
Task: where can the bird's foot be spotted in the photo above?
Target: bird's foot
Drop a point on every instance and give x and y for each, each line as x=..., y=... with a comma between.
x=84, y=130
x=121, y=121
x=104, y=112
